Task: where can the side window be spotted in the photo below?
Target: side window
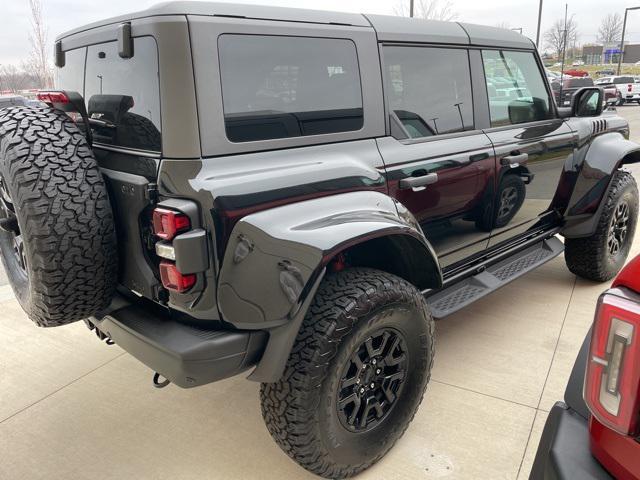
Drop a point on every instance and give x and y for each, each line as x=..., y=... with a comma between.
x=280, y=87
x=429, y=89
x=515, y=86
x=125, y=94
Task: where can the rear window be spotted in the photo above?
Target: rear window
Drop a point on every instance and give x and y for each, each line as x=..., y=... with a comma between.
x=281, y=87
x=579, y=82
x=621, y=80
x=71, y=76
x=125, y=94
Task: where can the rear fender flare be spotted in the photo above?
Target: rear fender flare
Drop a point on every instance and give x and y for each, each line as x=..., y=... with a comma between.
x=276, y=259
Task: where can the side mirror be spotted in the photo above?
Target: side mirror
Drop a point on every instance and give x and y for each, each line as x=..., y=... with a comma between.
x=587, y=102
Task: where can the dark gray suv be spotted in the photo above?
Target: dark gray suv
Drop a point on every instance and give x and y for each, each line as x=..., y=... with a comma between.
x=218, y=188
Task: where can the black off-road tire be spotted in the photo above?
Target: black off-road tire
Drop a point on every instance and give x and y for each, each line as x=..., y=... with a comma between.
x=137, y=131
x=590, y=257
x=301, y=410
x=52, y=185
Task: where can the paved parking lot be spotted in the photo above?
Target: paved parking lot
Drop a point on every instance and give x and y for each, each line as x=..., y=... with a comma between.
x=73, y=408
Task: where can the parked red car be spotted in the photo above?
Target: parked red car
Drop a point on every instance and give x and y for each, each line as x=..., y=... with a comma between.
x=595, y=432
x=576, y=73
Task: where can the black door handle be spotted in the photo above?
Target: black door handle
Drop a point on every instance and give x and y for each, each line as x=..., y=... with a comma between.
x=418, y=183
x=514, y=160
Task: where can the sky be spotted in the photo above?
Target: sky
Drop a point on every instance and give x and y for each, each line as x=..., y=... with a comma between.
x=64, y=15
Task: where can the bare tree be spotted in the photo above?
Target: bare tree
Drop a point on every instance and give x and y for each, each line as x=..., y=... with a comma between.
x=38, y=63
x=555, y=37
x=12, y=78
x=610, y=30
x=430, y=9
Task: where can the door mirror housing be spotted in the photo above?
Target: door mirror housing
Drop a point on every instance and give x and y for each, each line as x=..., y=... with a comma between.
x=587, y=102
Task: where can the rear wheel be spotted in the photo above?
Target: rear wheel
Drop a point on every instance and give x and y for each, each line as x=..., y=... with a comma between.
x=620, y=101
x=601, y=256
x=356, y=374
x=57, y=236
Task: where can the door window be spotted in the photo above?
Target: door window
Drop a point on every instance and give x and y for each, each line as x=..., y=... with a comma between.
x=429, y=89
x=281, y=87
x=516, y=88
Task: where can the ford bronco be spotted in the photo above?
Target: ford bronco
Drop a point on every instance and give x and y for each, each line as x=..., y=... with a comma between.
x=219, y=188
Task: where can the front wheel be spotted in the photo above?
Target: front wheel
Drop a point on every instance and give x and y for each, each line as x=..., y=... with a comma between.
x=356, y=375
x=601, y=256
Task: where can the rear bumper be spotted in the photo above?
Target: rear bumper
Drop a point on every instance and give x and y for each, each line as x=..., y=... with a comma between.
x=187, y=356
x=563, y=452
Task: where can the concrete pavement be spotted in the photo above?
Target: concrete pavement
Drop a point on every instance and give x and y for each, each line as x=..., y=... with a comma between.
x=73, y=408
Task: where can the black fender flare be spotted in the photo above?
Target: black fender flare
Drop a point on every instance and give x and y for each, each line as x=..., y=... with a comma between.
x=275, y=261
x=606, y=154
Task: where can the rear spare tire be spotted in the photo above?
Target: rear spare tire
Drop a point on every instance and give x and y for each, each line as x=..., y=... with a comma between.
x=57, y=236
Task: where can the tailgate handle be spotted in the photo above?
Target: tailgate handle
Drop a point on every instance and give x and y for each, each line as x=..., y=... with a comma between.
x=418, y=183
x=515, y=159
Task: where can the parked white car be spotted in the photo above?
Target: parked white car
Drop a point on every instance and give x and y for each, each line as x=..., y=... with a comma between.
x=627, y=86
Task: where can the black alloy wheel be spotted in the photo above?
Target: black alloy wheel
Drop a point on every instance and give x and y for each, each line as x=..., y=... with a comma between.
x=372, y=380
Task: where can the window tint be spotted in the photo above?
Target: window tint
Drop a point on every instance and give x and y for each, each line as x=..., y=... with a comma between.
x=71, y=76
x=279, y=87
x=623, y=80
x=515, y=86
x=125, y=94
x=429, y=89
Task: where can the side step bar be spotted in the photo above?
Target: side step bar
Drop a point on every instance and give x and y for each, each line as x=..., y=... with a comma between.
x=470, y=289
x=185, y=355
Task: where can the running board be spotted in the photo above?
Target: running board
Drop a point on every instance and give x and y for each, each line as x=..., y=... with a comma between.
x=470, y=289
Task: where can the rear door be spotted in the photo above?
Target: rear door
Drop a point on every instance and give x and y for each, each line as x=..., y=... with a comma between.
x=532, y=146
x=438, y=162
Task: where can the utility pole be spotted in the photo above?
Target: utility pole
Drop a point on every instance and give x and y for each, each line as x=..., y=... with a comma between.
x=539, y=22
x=564, y=49
x=624, y=28
x=411, y=8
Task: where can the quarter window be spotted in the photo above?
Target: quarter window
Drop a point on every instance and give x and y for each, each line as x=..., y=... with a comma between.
x=516, y=89
x=429, y=89
x=281, y=87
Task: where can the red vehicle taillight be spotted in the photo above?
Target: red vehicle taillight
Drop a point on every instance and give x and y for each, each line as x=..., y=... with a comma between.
x=172, y=279
x=629, y=88
x=612, y=382
x=168, y=223
x=52, y=97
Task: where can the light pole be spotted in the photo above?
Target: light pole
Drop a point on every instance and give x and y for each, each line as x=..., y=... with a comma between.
x=410, y=8
x=624, y=27
x=539, y=21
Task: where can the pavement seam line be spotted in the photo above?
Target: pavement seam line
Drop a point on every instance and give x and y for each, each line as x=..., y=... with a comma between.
x=483, y=394
x=564, y=319
x=61, y=388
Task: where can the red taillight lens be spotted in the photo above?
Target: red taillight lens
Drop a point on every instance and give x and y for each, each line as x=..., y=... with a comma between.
x=53, y=97
x=629, y=88
x=612, y=381
x=168, y=223
x=172, y=279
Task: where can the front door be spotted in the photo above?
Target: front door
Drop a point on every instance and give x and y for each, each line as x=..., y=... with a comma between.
x=438, y=164
x=532, y=147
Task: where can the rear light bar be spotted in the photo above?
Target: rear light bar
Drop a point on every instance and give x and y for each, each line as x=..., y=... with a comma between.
x=612, y=382
x=168, y=223
x=173, y=280
x=52, y=97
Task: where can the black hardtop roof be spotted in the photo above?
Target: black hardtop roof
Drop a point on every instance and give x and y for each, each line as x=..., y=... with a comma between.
x=388, y=28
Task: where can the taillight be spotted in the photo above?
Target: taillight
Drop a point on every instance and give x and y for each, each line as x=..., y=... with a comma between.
x=52, y=97
x=629, y=88
x=168, y=223
x=172, y=279
x=612, y=381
